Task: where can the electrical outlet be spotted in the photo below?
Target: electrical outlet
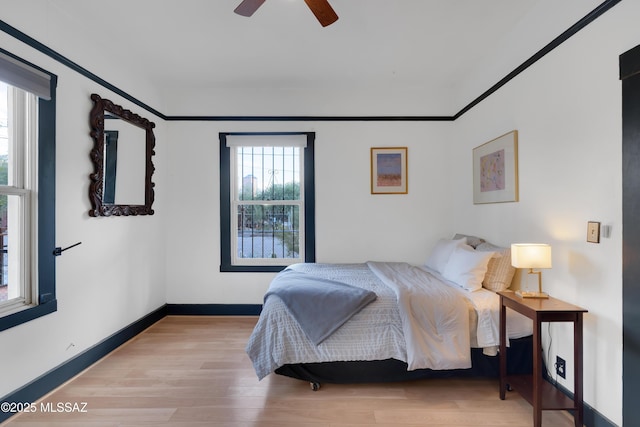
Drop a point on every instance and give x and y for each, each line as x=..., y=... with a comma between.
x=561, y=367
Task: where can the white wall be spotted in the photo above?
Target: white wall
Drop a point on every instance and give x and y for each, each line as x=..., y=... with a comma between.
x=116, y=276
x=352, y=100
x=351, y=224
x=567, y=109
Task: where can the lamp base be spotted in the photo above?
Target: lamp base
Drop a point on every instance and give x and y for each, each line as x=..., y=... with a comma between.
x=528, y=294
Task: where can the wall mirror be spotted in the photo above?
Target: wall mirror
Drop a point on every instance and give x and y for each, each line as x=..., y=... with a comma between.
x=123, y=144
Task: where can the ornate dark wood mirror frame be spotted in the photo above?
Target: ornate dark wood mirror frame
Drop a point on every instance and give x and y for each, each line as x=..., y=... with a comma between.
x=99, y=207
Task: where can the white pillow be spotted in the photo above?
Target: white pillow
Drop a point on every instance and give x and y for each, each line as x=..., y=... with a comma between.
x=441, y=253
x=467, y=267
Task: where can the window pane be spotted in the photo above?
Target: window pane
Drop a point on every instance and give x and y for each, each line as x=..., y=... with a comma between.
x=4, y=134
x=268, y=231
x=268, y=173
x=10, y=247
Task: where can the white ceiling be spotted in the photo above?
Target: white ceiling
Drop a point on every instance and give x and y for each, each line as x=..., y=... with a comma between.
x=394, y=44
x=203, y=43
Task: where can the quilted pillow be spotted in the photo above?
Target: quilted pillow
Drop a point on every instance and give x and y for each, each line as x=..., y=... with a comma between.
x=499, y=270
x=467, y=267
x=441, y=253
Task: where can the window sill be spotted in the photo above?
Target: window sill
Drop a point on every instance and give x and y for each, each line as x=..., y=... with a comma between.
x=252, y=268
x=24, y=316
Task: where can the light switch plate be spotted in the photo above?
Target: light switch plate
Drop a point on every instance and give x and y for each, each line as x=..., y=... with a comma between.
x=593, y=232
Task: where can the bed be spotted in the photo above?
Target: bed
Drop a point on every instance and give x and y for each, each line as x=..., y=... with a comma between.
x=406, y=321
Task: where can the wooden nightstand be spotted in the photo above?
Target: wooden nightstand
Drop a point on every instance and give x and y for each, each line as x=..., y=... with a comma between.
x=540, y=393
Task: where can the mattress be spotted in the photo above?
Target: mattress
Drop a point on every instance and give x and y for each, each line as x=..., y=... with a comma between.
x=374, y=333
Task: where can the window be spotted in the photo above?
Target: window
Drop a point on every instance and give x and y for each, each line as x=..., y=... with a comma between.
x=27, y=191
x=17, y=195
x=267, y=200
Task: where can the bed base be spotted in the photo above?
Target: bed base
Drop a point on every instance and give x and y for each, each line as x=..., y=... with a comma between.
x=390, y=370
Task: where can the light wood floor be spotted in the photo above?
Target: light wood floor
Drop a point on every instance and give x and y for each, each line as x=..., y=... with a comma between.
x=193, y=372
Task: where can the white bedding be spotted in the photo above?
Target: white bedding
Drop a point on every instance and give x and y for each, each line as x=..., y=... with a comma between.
x=435, y=318
x=485, y=318
x=375, y=333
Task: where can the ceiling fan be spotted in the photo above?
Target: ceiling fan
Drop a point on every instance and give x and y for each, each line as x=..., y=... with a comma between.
x=320, y=8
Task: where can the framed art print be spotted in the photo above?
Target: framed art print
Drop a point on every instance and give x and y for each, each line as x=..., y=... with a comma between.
x=495, y=170
x=389, y=170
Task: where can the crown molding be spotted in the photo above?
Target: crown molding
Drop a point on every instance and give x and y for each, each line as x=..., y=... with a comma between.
x=582, y=23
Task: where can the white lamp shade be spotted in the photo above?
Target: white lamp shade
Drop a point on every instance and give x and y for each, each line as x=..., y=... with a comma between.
x=530, y=255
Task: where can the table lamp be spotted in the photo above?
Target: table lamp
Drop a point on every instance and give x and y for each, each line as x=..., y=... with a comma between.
x=531, y=255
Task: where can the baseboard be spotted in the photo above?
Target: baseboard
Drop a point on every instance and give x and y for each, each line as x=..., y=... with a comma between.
x=47, y=382
x=214, y=309
x=592, y=418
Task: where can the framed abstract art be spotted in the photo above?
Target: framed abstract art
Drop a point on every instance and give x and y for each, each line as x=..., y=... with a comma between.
x=495, y=170
x=389, y=170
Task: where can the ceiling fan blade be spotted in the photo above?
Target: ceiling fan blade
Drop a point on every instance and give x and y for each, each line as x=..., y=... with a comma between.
x=323, y=11
x=248, y=7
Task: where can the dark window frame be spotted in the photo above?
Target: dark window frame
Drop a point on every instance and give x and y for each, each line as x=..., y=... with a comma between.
x=225, y=203
x=46, y=226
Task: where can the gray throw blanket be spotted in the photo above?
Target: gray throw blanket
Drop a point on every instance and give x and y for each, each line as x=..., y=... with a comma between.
x=320, y=306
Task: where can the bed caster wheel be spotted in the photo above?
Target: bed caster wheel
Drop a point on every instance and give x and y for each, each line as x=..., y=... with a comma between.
x=315, y=386
x=509, y=388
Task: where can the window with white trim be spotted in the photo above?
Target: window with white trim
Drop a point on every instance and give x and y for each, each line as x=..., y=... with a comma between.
x=266, y=200
x=27, y=191
x=18, y=189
